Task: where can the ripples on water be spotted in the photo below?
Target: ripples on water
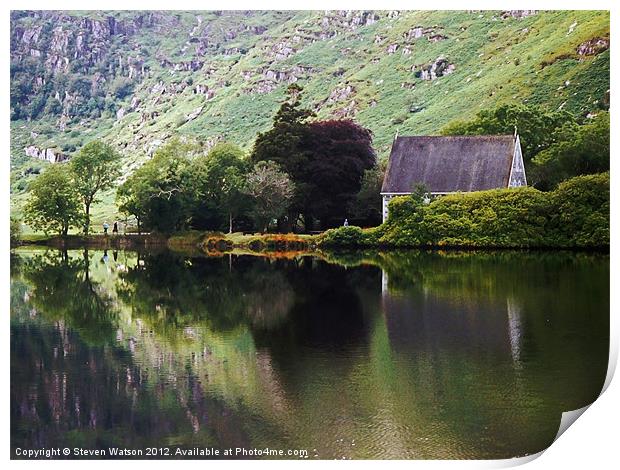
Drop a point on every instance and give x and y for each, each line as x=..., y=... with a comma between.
x=375, y=355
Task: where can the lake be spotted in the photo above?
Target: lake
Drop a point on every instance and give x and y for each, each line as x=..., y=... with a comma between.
x=409, y=355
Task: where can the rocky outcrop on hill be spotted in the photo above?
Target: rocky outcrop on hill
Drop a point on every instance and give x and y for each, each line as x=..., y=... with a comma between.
x=340, y=94
x=187, y=66
x=593, y=46
x=287, y=76
x=83, y=40
x=204, y=90
x=431, y=33
x=518, y=14
x=281, y=50
x=49, y=155
x=438, y=68
x=194, y=114
x=347, y=19
x=271, y=78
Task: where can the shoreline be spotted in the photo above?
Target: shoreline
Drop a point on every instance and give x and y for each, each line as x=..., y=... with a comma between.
x=289, y=245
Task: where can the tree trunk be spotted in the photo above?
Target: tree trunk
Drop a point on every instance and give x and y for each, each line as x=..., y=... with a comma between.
x=86, y=265
x=87, y=221
x=309, y=223
x=294, y=220
x=289, y=222
x=139, y=229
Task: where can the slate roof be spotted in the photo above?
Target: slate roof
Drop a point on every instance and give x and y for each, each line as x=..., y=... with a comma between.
x=449, y=163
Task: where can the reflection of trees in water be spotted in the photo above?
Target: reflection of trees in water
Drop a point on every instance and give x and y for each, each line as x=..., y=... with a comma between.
x=66, y=391
x=168, y=290
x=62, y=290
x=95, y=394
x=15, y=266
x=294, y=309
x=269, y=300
x=327, y=311
x=315, y=302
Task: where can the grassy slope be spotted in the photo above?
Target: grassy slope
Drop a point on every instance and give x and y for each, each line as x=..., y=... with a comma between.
x=497, y=61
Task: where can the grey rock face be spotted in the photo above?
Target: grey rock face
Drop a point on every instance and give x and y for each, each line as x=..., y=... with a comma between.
x=49, y=155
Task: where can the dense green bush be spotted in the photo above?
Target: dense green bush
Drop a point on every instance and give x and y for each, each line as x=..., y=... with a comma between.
x=509, y=217
x=344, y=236
x=580, y=211
x=575, y=215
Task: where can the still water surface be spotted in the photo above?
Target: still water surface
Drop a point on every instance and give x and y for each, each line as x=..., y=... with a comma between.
x=374, y=355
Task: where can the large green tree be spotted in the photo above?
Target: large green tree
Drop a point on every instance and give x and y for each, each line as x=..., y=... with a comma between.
x=220, y=179
x=281, y=143
x=366, y=207
x=132, y=197
x=53, y=204
x=538, y=128
x=580, y=150
x=95, y=168
x=160, y=193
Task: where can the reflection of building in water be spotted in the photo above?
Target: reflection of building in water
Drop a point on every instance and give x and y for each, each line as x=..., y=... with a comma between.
x=384, y=282
x=514, y=328
x=443, y=321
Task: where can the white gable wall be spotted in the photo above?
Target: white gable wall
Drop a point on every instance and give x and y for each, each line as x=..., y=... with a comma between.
x=517, y=170
x=386, y=201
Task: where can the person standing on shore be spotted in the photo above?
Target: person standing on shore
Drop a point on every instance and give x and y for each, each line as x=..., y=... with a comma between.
x=105, y=228
x=115, y=228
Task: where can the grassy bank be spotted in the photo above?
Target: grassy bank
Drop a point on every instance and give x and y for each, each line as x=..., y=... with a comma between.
x=219, y=242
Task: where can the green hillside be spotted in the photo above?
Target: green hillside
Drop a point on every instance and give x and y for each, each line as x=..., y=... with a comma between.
x=135, y=79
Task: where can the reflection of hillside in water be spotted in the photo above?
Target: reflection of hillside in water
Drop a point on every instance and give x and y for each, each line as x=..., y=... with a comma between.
x=81, y=363
x=62, y=386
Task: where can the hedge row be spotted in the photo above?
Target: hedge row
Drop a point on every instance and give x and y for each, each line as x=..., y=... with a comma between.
x=574, y=215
